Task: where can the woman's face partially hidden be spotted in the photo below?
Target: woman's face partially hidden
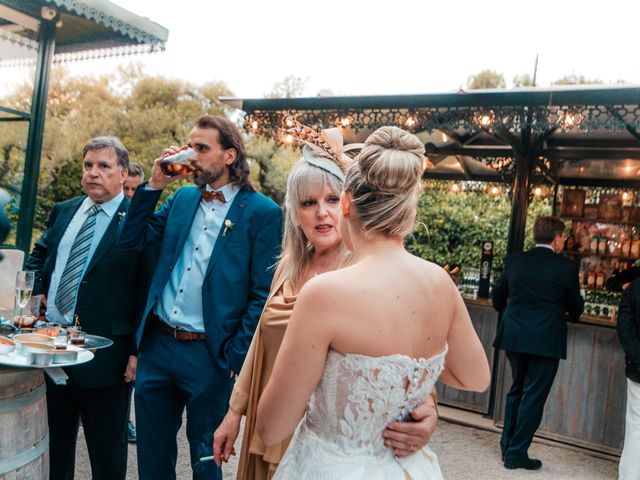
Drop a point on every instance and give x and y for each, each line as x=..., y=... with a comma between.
x=318, y=216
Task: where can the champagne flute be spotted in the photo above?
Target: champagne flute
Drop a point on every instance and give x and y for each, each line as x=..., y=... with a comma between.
x=24, y=286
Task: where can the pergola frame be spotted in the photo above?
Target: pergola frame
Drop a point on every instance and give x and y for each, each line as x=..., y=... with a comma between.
x=526, y=135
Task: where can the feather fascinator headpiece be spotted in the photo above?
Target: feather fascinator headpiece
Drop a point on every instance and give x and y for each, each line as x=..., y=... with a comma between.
x=323, y=149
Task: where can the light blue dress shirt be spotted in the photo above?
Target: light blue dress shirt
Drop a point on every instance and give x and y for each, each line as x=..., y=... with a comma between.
x=180, y=304
x=103, y=218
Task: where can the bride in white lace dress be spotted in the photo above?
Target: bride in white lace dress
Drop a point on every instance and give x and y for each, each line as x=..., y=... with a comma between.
x=366, y=344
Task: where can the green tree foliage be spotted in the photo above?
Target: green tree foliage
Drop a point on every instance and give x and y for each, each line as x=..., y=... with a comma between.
x=522, y=81
x=574, y=79
x=486, y=79
x=292, y=86
x=146, y=113
x=271, y=160
x=452, y=226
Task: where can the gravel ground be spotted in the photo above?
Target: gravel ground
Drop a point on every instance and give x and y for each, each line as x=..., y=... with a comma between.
x=465, y=453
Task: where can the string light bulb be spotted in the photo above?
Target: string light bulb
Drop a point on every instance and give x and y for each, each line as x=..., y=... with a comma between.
x=494, y=190
x=569, y=120
x=455, y=188
x=343, y=122
x=410, y=122
x=537, y=191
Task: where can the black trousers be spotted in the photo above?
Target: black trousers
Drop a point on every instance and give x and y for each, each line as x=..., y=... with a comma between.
x=532, y=380
x=104, y=420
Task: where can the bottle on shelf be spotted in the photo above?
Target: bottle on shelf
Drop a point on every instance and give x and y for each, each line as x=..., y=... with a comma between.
x=602, y=245
x=591, y=277
x=635, y=247
x=593, y=244
x=626, y=248
x=599, y=278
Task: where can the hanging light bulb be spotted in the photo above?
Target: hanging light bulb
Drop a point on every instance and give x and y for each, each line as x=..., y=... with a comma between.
x=455, y=188
x=410, y=122
x=537, y=191
x=569, y=120
x=344, y=122
x=495, y=190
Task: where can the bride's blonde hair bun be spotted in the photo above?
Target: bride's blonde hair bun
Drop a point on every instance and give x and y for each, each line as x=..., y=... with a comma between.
x=384, y=181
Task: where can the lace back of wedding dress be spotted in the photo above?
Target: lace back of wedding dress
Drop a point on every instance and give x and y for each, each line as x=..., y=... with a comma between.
x=357, y=397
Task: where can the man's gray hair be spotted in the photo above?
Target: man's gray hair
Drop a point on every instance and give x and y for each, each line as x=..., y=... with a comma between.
x=136, y=170
x=111, y=143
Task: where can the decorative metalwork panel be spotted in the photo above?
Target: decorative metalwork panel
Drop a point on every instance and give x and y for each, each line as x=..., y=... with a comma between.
x=462, y=120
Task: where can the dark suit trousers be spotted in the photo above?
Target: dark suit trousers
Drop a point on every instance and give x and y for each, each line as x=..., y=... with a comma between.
x=533, y=377
x=104, y=420
x=172, y=375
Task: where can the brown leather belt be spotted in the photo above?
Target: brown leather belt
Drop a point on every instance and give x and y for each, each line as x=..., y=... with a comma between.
x=177, y=333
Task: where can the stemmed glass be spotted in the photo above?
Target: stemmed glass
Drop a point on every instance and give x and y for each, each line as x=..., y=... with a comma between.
x=24, y=286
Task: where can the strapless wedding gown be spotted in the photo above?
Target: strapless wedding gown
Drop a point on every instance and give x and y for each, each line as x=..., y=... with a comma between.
x=340, y=436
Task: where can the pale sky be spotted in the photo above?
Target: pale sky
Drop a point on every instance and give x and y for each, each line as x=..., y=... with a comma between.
x=357, y=47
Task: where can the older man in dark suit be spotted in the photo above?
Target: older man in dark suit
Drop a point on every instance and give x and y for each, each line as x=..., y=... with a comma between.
x=80, y=270
x=535, y=292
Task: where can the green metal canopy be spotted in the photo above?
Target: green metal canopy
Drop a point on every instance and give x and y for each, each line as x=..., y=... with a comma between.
x=82, y=24
x=47, y=31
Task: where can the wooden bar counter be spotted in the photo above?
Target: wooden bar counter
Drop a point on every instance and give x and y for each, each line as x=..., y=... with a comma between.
x=586, y=406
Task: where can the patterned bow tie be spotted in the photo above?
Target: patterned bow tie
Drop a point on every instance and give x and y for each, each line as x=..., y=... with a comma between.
x=208, y=196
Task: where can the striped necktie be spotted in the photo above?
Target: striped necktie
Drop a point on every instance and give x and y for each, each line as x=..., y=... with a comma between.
x=73, y=270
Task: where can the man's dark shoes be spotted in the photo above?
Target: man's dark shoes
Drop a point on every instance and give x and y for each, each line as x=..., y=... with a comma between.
x=526, y=463
x=131, y=432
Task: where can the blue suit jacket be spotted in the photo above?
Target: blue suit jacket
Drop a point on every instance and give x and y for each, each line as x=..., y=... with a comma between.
x=240, y=269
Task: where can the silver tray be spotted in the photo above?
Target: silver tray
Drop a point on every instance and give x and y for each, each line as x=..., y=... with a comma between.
x=15, y=359
x=95, y=342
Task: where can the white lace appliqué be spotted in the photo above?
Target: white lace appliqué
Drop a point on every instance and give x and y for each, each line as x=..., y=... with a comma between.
x=340, y=436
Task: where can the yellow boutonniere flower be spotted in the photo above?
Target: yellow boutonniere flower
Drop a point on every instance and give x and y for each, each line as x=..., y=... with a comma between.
x=228, y=225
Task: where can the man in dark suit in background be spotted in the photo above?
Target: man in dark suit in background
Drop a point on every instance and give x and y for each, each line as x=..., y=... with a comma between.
x=219, y=240
x=535, y=292
x=150, y=257
x=80, y=270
